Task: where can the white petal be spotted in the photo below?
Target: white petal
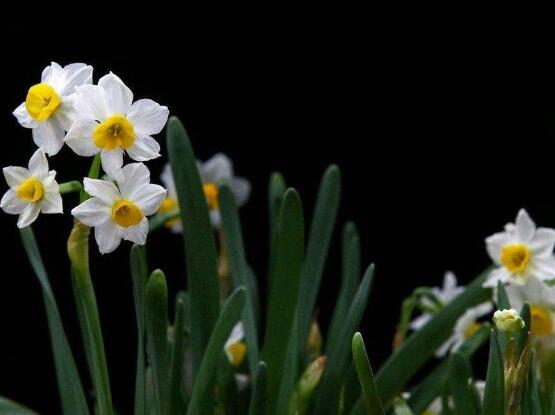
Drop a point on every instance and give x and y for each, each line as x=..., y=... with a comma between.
x=24, y=118
x=420, y=321
x=111, y=163
x=12, y=204
x=236, y=335
x=543, y=242
x=134, y=176
x=54, y=76
x=29, y=214
x=49, y=136
x=149, y=197
x=91, y=102
x=167, y=180
x=80, y=137
x=65, y=114
x=38, y=164
x=144, y=148
x=525, y=226
x=147, y=116
x=543, y=268
x=442, y=351
x=15, y=175
x=107, y=237
x=241, y=189
x=495, y=243
x=119, y=96
x=215, y=218
x=52, y=201
x=93, y=212
x=75, y=74
x=498, y=274
x=481, y=310
x=103, y=189
x=136, y=233
x=218, y=168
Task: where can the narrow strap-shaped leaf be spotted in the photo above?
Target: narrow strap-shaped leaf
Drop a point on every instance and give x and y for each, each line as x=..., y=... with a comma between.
x=156, y=315
x=321, y=230
x=459, y=379
x=327, y=398
x=198, y=238
x=201, y=397
x=178, y=354
x=368, y=386
x=283, y=296
x=290, y=371
x=421, y=345
x=494, y=392
x=358, y=409
x=350, y=276
x=553, y=402
x=139, y=275
x=8, y=407
x=240, y=271
x=258, y=395
x=400, y=407
x=351, y=391
x=276, y=191
x=531, y=402
x=70, y=388
x=502, y=304
x=522, y=336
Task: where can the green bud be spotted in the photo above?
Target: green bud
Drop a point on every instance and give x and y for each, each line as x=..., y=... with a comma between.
x=508, y=320
x=306, y=386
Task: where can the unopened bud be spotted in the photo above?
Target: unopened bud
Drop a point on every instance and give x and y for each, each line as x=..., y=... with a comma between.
x=306, y=386
x=508, y=320
x=314, y=343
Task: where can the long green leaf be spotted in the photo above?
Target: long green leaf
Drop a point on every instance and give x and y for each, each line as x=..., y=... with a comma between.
x=290, y=371
x=240, y=271
x=522, y=336
x=139, y=275
x=258, y=396
x=202, y=394
x=327, y=398
x=460, y=376
x=553, y=402
x=70, y=388
x=198, y=238
x=178, y=354
x=8, y=407
x=276, y=191
x=494, y=393
x=421, y=346
x=156, y=315
x=364, y=370
x=321, y=230
x=531, y=402
x=283, y=297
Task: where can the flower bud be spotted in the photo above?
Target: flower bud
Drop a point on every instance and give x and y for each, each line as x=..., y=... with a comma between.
x=508, y=320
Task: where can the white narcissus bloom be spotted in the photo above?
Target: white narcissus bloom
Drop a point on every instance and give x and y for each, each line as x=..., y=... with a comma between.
x=445, y=295
x=234, y=348
x=48, y=109
x=108, y=122
x=119, y=212
x=521, y=252
x=32, y=190
x=465, y=327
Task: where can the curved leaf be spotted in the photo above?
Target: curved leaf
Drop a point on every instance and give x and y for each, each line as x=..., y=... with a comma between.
x=366, y=377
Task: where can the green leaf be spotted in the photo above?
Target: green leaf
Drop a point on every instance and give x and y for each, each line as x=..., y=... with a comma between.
x=156, y=314
x=321, y=230
x=276, y=191
x=8, y=407
x=70, y=388
x=522, y=336
x=239, y=271
x=160, y=219
x=139, y=275
x=177, y=386
x=368, y=386
x=421, y=345
x=400, y=407
x=283, y=296
x=553, y=402
x=531, y=401
x=502, y=304
x=202, y=394
x=460, y=376
x=290, y=370
x=350, y=278
x=494, y=393
x=258, y=396
x=327, y=398
x=198, y=238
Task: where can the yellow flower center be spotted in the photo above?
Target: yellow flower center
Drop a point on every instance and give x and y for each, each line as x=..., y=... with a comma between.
x=515, y=257
x=41, y=102
x=211, y=194
x=541, y=323
x=471, y=330
x=30, y=190
x=168, y=205
x=126, y=213
x=115, y=131
x=237, y=352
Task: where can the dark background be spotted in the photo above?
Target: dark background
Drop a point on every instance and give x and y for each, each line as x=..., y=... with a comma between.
x=442, y=130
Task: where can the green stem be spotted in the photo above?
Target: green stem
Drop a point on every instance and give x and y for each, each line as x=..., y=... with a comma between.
x=70, y=187
x=78, y=251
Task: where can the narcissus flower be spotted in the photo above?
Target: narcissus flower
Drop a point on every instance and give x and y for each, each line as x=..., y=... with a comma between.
x=119, y=212
x=521, y=252
x=32, y=190
x=48, y=109
x=235, y=349
x=109, y=122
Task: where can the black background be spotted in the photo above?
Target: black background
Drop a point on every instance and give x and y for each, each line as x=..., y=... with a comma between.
x=442, y=130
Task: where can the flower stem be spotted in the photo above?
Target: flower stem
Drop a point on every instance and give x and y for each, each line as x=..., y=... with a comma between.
x=70, y=187
x=78, y=251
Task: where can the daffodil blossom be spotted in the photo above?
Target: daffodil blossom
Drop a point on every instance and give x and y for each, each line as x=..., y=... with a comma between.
x=521, y=252
x=119, y=212
x=445, y=295
x=234, y=348
x=109, y=122
x=32, y=190
x=48, y=109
